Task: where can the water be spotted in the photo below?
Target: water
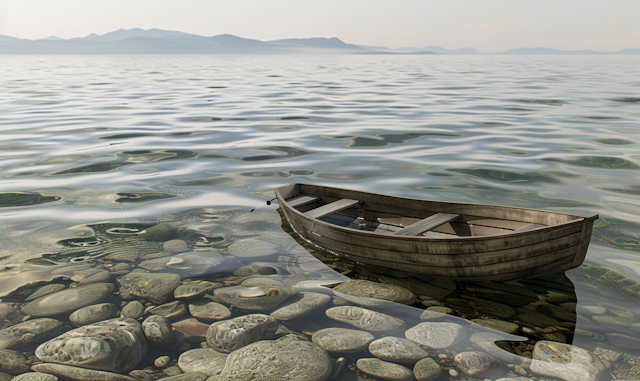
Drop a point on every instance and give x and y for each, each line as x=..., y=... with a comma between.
x=201, y=140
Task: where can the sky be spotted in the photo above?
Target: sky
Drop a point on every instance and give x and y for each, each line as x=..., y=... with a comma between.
x=487, y=25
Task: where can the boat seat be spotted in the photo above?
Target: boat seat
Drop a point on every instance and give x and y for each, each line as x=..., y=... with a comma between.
x=333, y=207
x=302, y=199
x=427, y=224
x=526, y=228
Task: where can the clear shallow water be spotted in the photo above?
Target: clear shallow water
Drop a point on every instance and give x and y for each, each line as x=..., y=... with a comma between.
x=183, y=138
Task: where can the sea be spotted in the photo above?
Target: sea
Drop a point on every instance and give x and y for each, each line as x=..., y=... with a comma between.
x=94, y=149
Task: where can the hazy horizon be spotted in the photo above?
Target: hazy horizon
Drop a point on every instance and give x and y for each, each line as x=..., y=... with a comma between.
x=491, y=25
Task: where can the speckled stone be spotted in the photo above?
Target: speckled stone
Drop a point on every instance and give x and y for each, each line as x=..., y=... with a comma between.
x=365, y=319
x=171, y=310
x=203, y=360
x=260, y=281
x=208, y=310
x=68, y=300
x=194, y=289
x=372, y=294
x=133, y=310
x=427, y=369
x=12, y=362
x=252, y=248
x=342, y=340
x=395, y=349
x=498, y=325
x=93, y=314
x=257, y=298
x=478, y=365
x=141, y=375
x=9, y=316
x=271, y=360
x=158, y=330
x=384, y=370
x=162, y=361
x=436, y=335
x=116, y=345
x=35, y=376
x=229, y=335
x=564, y=361
x=74, y=373
x=300, y=305
x=46, y=290
x=31, y=331
x=157, y=287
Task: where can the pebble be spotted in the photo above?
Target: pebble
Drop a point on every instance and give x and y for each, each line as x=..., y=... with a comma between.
x=613, y=322
x=373, y=294
x=99, y=277
x=161, y=232
x=365, y=319
x=133, y=310
x=427, y=369
x=397, y=350
x=175, y=246
x=9, y=316
x=93, y=314
x=252, y=248
x=623, y=341
x=384, y=370
x=203, y=360
x=453, y=373
x=46, y=290
x=116, y=345
x=229, y=335
x=141, y=375
x=495, y=345
x=436, y=335
x=271, y=360
x=157, y=287
x=12, y=362
x=162, y=361
x=194, y=289
x=68, y=300
x=300, y=305
x=31, y=331
x=590, y=310
x=260, y=281
x=158, y=330
x=196, y=263
x=256, y=298
x=342, y=340
x=191, y=329
x=74, y=373
x=518, y=379
x=564, y=361
x=208, y=310
x=35, y=376
x=479, y=365
x=191, y=376
x=498, y=325
x=171, y=310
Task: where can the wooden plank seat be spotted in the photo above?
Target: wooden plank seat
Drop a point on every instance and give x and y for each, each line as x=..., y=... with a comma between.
x=333, y=207
x=427, y=224
x=301, y=200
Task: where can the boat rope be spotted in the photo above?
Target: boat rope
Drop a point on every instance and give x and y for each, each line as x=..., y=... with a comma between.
x=268, y=203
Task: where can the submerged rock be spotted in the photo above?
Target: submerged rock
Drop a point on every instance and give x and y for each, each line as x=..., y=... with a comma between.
x=427, y=369
x=133, y=310
x=208, y=310
x=12, y=362
x=158, y=330
x=301, y=304
x=384, y=370
x=68, y=300
x=157, y=287
x=256, y=298
x=478, y=365
x=35, y=376
x=436, y=335
x=564, y=361
x=229, y=335
x=46, y=290
x=74, y=373
x=9, y=316
x=194, y=289
x=397, y=350
x=93, y=314
x=116, y=345
x=365, y=319
x=342, y=340
x=31, y=331
x=373, y=294
x=278, y=360
x=252, y=248
x=203, y=360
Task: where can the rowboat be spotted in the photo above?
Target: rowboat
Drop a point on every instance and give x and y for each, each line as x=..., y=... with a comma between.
x=466, y=242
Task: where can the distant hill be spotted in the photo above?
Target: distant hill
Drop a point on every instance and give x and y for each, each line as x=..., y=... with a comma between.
x=158, y=41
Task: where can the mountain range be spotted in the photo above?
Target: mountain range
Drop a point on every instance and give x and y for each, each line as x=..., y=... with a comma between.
x=157, y=41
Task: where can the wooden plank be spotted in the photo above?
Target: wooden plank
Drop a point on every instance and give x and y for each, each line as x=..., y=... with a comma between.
x=587, y=228
x=302, y=199
x=427, y=224
x=528, y=228
x=333, y=207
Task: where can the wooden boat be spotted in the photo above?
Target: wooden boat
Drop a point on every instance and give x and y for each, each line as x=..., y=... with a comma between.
x=465, y=242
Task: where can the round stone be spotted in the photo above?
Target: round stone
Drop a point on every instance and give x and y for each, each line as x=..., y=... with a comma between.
x=495, y=345
x=203, y=360
x=194, y=289
x=46, y=290
x=191, y=376
x=271, y=360
x=175, y=246
x=191, y=329
x=170, y=310
x=133, y=310
x=384, y=370
x=75, y=373
x=372, y=294
x=12, y=362
x=564, y=361
x=257, y=298
x=259, y=281
x=431, y=315
x=397, y=350
x=116, y=345
x=300, y=305
x=158, y=330
x=197, y=263
x=208, y=310
x=498, y=325
x=229, y=335
x=162, y=361
x=252, y=248
x=9, y=316
x=342, y=340
x=478, y=365
x=35, y=376
x=68, y=300
x=99, y=277
x=93, y=314
x=157, y=287
x=427, y=369
x=31, y=331
x=436, y=335
x=365, y=319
